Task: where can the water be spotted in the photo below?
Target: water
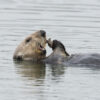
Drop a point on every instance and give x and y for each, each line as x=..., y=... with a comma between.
x=74, y=22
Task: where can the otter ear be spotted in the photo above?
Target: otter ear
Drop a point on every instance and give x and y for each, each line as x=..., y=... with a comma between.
x=28, y=39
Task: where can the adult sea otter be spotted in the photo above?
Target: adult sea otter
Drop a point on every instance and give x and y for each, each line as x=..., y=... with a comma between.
x=60, y=56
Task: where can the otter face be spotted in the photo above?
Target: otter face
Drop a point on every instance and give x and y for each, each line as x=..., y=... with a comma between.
x=32, y=47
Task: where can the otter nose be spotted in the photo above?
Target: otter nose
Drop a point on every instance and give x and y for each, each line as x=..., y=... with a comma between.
x=43, y=33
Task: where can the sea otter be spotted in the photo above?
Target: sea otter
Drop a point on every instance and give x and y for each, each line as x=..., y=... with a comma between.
x=60, y=56
x=32, y=47
x=59, y=52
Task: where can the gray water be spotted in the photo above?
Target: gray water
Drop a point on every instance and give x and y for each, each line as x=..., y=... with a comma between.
x=74, y=22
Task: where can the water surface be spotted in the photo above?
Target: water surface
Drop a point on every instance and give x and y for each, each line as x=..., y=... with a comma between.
x=74, y=22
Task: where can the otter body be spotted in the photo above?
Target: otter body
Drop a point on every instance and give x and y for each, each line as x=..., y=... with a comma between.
x=83, y=59
x=60, y=56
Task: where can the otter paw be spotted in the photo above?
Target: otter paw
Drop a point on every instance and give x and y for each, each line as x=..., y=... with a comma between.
x=49, y=42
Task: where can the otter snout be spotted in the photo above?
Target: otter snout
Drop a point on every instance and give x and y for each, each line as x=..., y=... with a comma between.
x=43, y=33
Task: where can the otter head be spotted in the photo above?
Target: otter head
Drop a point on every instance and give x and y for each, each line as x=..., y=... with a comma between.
x=57, y=46
x=32, y=47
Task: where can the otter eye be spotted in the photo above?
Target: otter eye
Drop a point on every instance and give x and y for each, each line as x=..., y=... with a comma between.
x=28, y=40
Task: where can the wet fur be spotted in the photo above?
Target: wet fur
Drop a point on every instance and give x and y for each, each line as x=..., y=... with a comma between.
x=60, y=56
x=59, y=52
x=28, y=49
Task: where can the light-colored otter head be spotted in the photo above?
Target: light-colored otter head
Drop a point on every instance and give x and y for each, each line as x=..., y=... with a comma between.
x=32, y=47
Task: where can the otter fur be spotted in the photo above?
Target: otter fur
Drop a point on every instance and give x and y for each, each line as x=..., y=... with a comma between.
x=59, y=52
x=60, y=56
x=32, y=47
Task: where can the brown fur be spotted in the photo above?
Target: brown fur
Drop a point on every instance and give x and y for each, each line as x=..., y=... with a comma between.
x=31, y=48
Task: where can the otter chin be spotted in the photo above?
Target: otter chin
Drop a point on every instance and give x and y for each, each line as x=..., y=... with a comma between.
x=32, y=47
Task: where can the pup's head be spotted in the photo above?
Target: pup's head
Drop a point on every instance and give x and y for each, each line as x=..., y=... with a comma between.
x=32, y=47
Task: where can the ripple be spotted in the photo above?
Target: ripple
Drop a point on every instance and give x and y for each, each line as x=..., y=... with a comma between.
x=76, y=23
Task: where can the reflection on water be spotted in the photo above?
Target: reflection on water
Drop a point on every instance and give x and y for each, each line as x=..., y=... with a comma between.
x=74, y=22
x=37, y=71
x=39, y=77
x=31, y=70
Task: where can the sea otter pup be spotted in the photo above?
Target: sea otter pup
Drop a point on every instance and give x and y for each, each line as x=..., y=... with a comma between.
x=32, y=47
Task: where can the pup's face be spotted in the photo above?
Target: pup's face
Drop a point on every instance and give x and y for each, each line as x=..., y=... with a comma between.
x=32, y=47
